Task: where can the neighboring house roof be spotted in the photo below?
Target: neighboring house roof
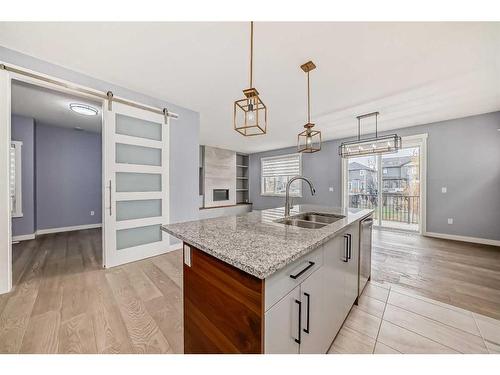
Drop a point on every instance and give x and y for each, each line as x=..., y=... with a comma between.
x=355, y=166
x=396, y=161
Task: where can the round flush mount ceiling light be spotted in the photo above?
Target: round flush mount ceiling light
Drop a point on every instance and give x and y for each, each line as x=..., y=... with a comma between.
x=83, y=109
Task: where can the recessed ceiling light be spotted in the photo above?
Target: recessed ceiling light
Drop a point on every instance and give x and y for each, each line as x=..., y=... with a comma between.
x=83, y=109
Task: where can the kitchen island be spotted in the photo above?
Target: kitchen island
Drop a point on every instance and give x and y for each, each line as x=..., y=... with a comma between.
x=253, y=284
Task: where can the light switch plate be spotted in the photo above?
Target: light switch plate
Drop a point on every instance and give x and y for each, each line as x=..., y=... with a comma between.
x=187, y=255
x=444, y=190
x=450, y=220
x=330, y=188
x=92, y=213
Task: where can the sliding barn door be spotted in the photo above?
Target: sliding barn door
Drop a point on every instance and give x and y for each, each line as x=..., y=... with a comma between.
x=136, y=183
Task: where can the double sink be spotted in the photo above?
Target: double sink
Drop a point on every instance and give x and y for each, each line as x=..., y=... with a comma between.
x=310, y=220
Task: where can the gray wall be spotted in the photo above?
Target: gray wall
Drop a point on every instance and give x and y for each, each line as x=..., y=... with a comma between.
x=462, y=154
x=23, y=129
x=184, y=133
x=68, y=177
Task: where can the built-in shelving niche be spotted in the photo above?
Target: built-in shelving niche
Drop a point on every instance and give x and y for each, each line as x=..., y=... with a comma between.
x=242, y=174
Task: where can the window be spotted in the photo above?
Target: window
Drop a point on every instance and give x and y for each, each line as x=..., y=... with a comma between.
x=15, y=179
x=276, y=171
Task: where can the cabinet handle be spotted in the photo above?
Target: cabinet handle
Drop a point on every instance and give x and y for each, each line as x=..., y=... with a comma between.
x=306, y=330
x=304, y=270
x=346, y=246
x=300, y=323
x=349, y=247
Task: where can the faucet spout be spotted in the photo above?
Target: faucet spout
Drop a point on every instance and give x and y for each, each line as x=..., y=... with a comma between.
x=287, y=193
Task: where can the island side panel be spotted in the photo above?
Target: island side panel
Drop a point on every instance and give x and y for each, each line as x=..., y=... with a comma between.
x=223, y=307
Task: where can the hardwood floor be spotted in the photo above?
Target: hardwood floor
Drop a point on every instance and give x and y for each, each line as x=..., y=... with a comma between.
x=457, y=273
x=64, y=302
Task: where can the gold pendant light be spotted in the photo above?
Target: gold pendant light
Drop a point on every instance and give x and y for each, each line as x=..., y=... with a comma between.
x=250, y=113
x=309, y=140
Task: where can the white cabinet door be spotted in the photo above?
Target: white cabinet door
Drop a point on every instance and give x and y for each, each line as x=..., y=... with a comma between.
x=335, y=264
x=315, y=338
x=351, y=234
x=282, y=333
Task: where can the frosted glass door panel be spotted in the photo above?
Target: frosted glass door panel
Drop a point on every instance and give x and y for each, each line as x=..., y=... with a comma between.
x=137, y=182
x=138, y=209
x=126, y=238
x=137, y=127
x=132, y=154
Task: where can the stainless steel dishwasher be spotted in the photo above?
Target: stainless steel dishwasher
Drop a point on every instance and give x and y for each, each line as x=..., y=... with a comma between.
x=365, y=252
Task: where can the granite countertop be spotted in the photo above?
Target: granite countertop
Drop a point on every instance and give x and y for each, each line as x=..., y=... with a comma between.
x=255, y=243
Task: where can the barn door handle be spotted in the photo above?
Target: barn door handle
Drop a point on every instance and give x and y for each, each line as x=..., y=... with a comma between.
x=110, y=200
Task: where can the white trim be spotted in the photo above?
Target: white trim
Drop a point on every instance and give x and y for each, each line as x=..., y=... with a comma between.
x=5, y=211
x=138, y=168
x=67, y=229
x=175, y=246
x=130, y=196
x=143, y=222
x=24, y=237
x=130, y=140
x=484, y=241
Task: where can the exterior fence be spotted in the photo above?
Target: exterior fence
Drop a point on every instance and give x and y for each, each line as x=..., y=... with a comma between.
x=395, y=207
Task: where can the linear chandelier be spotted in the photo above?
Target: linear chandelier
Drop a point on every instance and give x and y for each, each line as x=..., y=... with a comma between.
x=375, y=145
x=250, y=113
x=308, y=140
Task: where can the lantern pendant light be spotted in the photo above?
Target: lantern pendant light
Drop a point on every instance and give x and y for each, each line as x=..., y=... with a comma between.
x=309, y=140
x=367, y=146
x=250, y=113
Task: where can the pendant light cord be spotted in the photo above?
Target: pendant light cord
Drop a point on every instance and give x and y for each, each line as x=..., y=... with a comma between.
x=308, y=100
x=251, y=54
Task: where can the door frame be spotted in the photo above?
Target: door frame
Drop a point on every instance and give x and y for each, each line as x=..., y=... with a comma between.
x=419, y=140
x=6, y=228
x=5, y=213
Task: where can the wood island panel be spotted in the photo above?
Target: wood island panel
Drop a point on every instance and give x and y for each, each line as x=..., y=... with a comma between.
x=223, y=307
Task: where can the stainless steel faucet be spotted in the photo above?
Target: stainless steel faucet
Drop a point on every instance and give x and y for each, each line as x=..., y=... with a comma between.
x=287, y=194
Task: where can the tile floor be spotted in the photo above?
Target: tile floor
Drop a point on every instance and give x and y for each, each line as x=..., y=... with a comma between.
x=390, y=319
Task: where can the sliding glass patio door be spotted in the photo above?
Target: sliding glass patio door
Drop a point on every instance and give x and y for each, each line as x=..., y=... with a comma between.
x=390, y=184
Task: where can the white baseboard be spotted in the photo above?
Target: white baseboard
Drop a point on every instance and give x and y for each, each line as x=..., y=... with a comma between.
x=68, y=229
x=24, y=237
x=176, y=246
x=484, y=241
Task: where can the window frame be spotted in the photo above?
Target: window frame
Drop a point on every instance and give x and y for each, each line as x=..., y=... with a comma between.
x=266, y=158
x=17, y=207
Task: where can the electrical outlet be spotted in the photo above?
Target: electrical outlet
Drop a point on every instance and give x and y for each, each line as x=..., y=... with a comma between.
x=92, y=213
x=330, y=188
x=450, y=220
x=444, y=190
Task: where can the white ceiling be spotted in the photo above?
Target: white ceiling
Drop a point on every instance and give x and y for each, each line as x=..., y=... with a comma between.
x=413, y=73
x=52, y=107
